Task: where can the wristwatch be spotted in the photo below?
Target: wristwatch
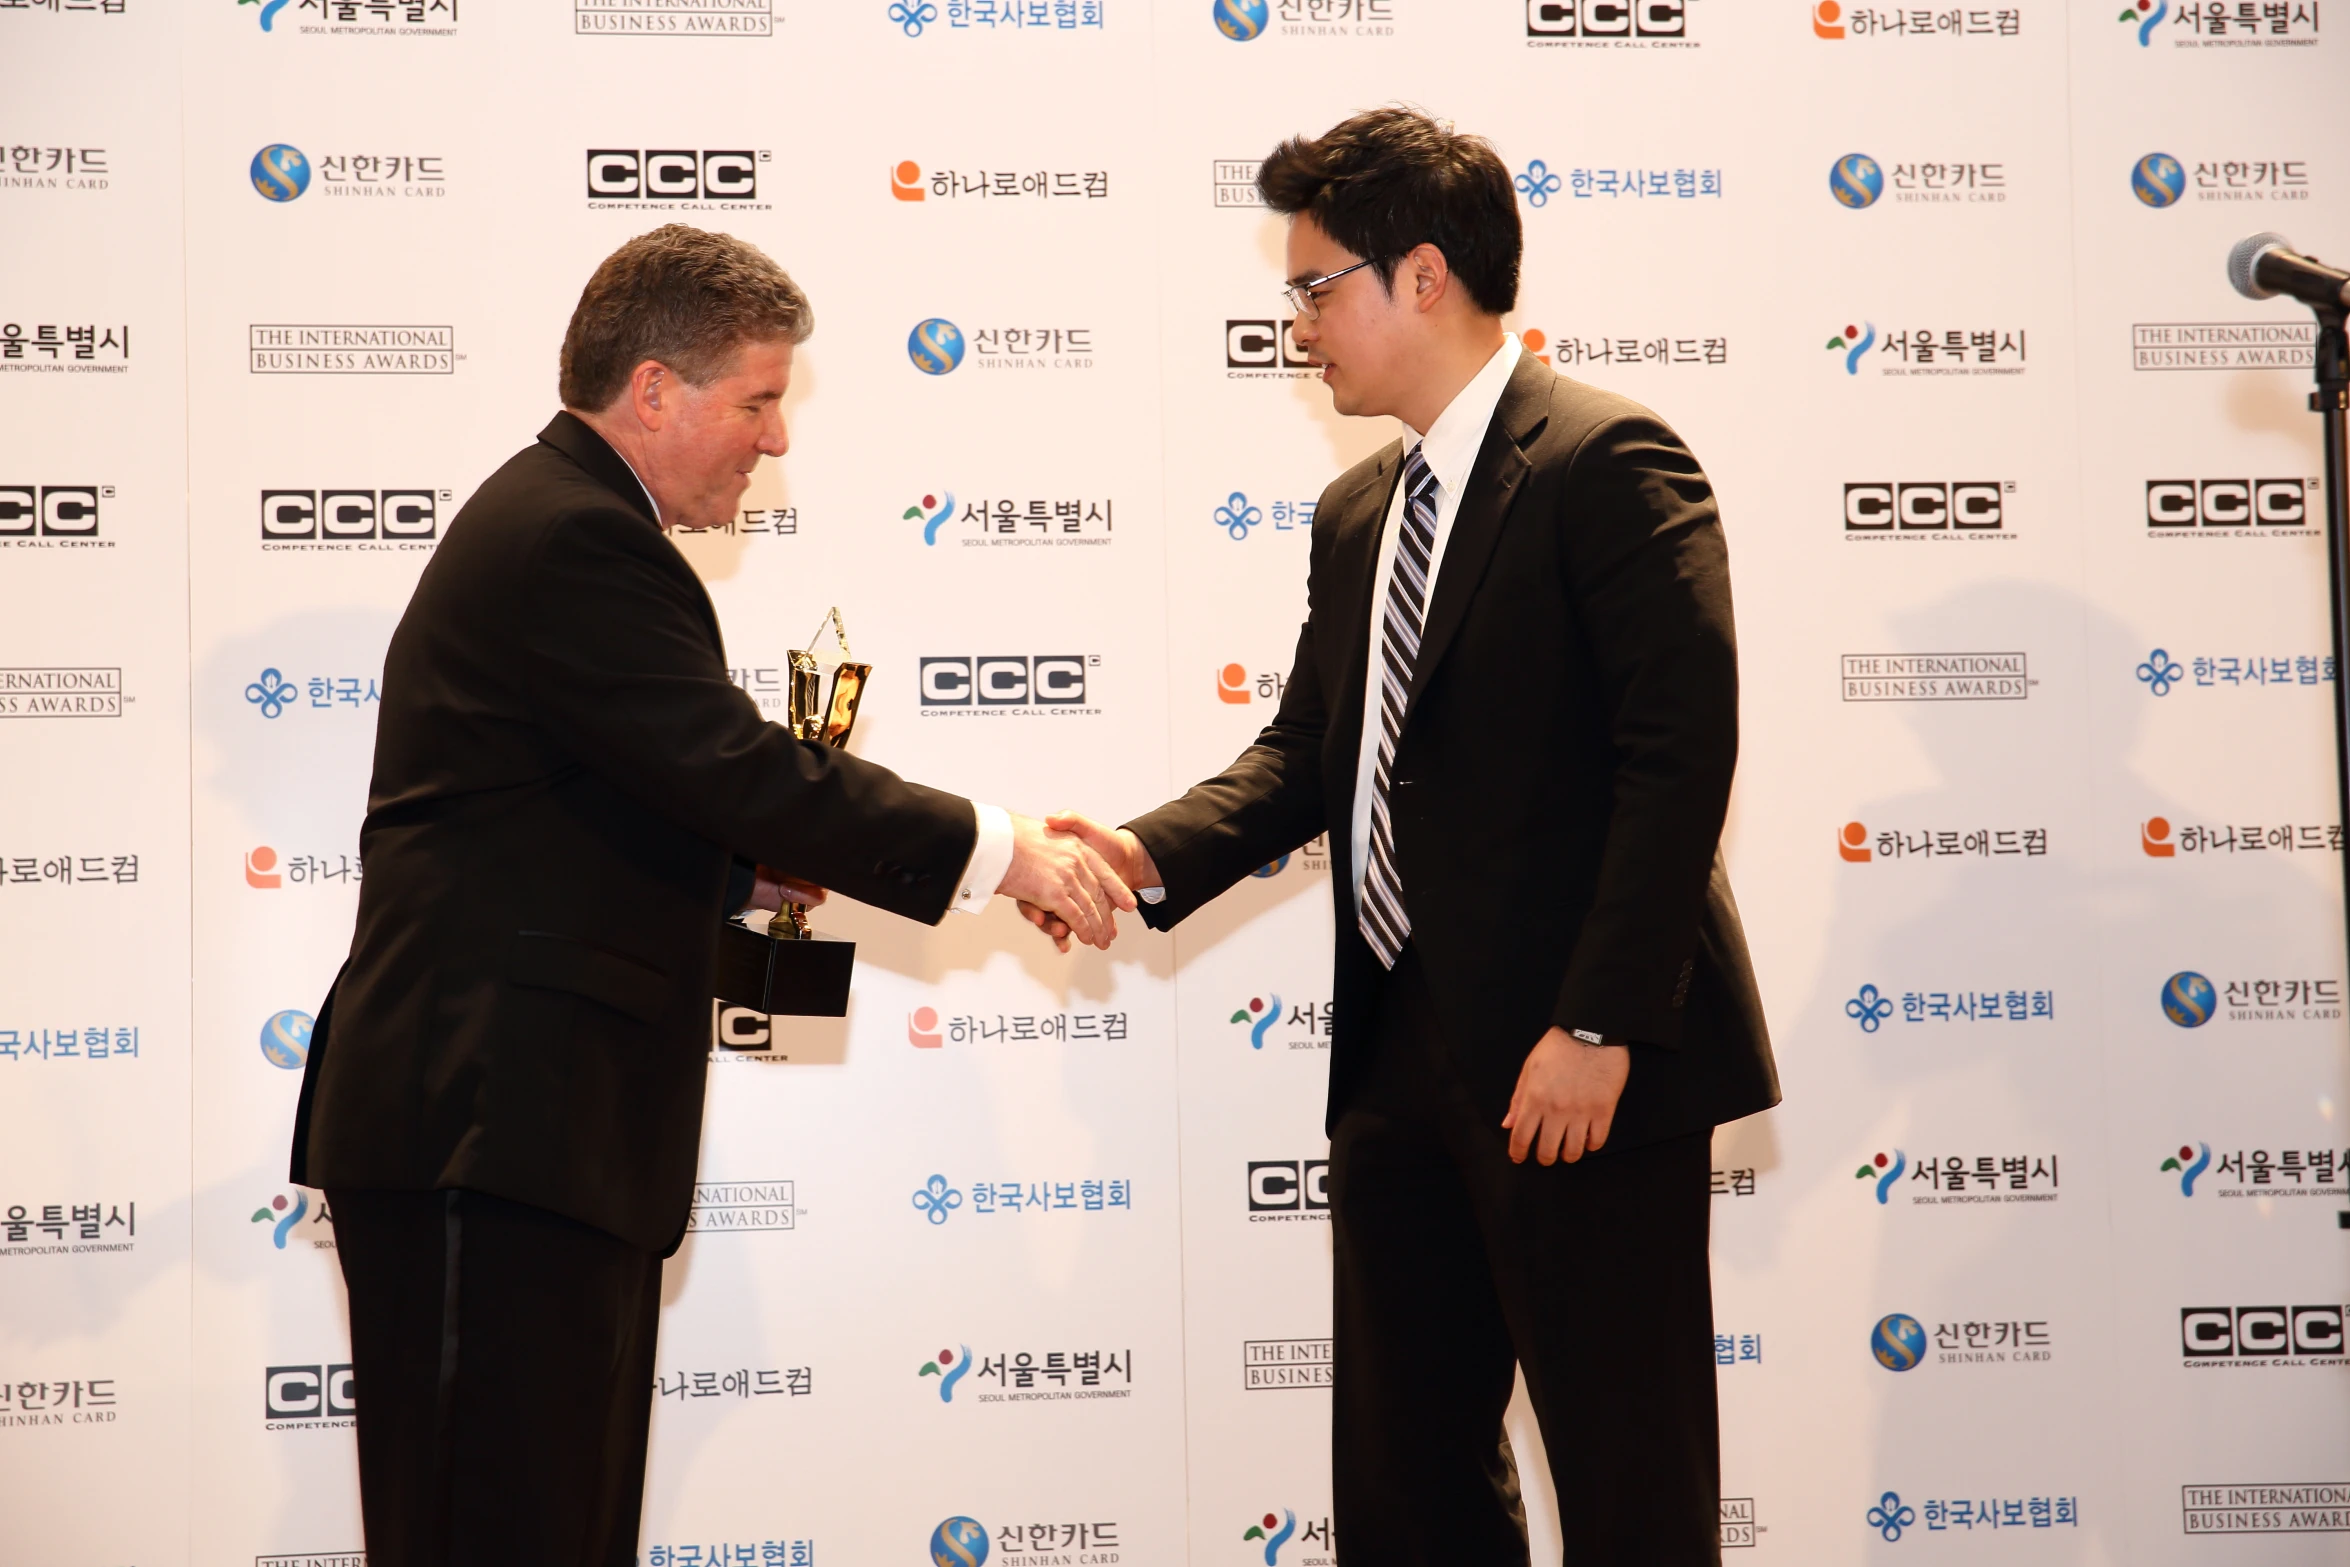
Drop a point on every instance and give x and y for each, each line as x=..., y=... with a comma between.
x=1587, y=1036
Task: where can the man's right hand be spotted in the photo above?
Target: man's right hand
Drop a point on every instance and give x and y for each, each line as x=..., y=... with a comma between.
x=1057, y=870
x=1119, y=848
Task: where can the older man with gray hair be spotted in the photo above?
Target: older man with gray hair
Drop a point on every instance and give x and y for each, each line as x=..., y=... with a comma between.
x=503, y=1098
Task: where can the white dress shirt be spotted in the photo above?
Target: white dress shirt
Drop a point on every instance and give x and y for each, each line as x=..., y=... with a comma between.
x=1450, y=447
x=991, y=849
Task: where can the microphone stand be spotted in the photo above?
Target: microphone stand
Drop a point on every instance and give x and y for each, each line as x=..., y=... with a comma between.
x=2331, y=403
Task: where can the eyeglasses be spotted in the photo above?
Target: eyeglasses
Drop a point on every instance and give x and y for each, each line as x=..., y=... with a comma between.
x=1302, y=298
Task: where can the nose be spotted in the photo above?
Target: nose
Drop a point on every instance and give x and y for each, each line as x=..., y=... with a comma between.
x=774, y=438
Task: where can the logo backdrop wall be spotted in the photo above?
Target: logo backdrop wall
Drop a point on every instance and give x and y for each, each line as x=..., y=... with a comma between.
x=1028, y=1259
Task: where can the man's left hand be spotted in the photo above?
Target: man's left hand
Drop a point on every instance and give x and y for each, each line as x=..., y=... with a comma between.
x=772, y=887
x=1565, y=1098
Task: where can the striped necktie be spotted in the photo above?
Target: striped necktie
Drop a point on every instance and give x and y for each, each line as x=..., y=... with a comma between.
x=1384, y=923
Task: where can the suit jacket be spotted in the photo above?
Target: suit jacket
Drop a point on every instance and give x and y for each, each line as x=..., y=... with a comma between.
x=1561, y=778
x=563, y=775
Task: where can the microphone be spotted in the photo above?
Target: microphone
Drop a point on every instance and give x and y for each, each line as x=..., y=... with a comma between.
x=2263, y=266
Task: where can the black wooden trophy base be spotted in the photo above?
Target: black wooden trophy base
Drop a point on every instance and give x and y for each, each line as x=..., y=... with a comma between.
x=783, y=978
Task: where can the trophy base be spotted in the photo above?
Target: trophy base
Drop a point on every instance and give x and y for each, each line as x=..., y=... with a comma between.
x=783, y=978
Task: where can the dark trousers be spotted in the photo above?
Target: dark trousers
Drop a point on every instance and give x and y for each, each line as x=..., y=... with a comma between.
x=1452, y=1267
x=503, y=1357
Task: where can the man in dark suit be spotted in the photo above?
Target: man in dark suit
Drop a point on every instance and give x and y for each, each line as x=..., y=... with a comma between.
x=1514, y=709
x=503, y=1098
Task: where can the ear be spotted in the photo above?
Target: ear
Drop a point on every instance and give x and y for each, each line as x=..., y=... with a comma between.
x=1431, y=276
x=652, y=393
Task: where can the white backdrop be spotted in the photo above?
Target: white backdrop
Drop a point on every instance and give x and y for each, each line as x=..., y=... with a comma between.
x=1986, y=424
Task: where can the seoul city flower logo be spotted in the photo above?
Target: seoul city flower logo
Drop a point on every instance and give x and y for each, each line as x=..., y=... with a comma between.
x=1884, y=1169
x=1898, y=1341
x=286, y=1214
x=1242, y=21
x=2147, y=18
x=1855, y=341
x=280, y=172
x=949, y=1370
x=1275, y=1532
x=2158, y=180
x=2190, y=1161
x=934, y=510
x=936, y=346
x=1260, y=1015
x=959, y=1542
x=1856, y=180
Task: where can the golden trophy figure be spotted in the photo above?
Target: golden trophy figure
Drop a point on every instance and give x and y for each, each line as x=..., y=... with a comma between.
x=786, y=969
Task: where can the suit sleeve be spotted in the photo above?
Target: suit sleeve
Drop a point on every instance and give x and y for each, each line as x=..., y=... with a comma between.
x=615, y=656
x=1269, y=801
x=1650, y=583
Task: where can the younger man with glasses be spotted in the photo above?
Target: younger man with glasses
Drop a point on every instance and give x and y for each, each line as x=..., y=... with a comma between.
x=1514, y=708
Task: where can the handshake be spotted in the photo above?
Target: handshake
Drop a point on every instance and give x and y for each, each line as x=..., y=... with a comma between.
x=1069, y=874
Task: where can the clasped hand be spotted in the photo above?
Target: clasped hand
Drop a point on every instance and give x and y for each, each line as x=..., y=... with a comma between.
x=1122, y=855
x=1063, y=884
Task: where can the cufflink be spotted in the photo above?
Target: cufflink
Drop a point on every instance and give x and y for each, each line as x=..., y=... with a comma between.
x=1587, y=1036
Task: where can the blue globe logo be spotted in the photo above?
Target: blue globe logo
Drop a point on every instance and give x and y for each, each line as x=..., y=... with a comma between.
x=2188, y=999
x=959, y=1542
x=1240, y=20
x=2157, y=179
x=1898, y=1342
x=285, y=1040
x=936, y=346
x=280, y=172
x=1856, y=181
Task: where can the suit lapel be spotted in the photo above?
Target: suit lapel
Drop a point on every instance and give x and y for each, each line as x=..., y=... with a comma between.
x=570, y=435
x=1353, y=560
x=1494, y=483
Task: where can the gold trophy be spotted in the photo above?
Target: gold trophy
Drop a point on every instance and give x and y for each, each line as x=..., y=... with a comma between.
x=786, y=969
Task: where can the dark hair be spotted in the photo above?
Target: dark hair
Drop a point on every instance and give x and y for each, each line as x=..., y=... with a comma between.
x=684, y=296
x=1386, y=180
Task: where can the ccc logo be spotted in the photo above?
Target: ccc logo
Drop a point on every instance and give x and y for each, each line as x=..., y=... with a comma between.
x=624, y=174
x=308, y=1393
x=350, y=514
x=1288, y=1185
x=1007, y=680
x=1605, y=19
x=2209, y=1331
x=1924, y=508
x=56, y=510
x=1262, y=345
x=2227, y=503
x=742, y=1028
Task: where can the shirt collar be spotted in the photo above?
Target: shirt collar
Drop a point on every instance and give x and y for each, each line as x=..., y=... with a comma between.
x=651, y=505
x=1453, y=441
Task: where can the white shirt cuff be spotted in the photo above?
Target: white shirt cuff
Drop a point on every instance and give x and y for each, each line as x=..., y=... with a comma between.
x=1151, y=894
x=991, y=858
